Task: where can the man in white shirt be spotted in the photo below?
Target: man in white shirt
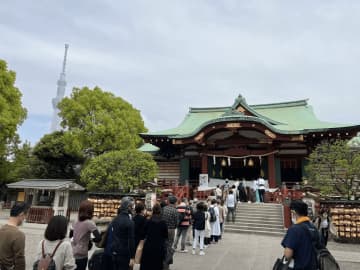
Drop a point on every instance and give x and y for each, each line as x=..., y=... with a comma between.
x=230, y=204
x=218, y=192
x=261, y=186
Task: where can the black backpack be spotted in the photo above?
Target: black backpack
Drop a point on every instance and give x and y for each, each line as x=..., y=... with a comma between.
x=46, y=262
x=324, y=259
x=212, y=214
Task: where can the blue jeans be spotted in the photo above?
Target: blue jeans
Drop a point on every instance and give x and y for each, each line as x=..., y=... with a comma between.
x=232, y=211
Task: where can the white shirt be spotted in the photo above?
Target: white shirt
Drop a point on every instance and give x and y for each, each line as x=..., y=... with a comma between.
x=218, y=192
x=64, y=259
x=261, y=183
x=230, y=200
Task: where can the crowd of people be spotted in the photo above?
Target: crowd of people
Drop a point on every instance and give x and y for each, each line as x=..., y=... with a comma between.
x=149, y=238
x=135, y=235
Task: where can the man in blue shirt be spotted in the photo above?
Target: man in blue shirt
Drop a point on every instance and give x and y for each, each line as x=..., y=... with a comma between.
x=297, y=242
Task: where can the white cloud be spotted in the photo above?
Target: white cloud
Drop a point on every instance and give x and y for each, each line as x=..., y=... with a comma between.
x=165, y=56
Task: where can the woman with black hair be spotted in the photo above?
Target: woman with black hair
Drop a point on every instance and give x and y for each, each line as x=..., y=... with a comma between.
x=139, y=222
x=156, y=235
x=55, y=234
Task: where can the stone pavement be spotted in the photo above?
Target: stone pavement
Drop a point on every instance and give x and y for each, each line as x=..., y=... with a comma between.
x=235, y=251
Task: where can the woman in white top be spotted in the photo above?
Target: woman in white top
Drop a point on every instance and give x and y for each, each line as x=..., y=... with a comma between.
x=207, y=239
x=215, y=225
x=55, y=238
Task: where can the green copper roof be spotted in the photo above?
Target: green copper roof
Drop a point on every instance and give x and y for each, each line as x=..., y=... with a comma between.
x=295, y=117
x=355, y=142
x=149, y=148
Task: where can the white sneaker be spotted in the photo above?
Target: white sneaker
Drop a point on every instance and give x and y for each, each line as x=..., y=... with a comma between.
x=193, y=252
x=202, y=253
x=184, y=251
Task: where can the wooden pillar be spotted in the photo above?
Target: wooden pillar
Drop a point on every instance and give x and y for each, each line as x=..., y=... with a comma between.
x=271, y=168
x=204, y=164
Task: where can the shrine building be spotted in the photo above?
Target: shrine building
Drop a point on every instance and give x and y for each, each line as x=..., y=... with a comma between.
x=242, y=142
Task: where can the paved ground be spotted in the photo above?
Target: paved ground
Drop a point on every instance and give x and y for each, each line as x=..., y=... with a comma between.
x=235, y=251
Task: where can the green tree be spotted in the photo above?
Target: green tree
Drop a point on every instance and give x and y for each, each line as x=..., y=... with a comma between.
x=117, y=170
x=55, y=159
x=333, y=168
x=22, y=164
x=12, y=113
x=98, y=122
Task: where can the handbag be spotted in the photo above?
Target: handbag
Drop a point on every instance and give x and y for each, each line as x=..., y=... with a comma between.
x=139, y=251
x=282, y=264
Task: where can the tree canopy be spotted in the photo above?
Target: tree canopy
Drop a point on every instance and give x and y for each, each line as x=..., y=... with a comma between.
x=12, y=113
x=55, y=159
x=98, y=121
x=334, y=168
x=116, y=170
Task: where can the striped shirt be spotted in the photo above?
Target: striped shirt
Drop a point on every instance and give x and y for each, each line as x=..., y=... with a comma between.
x=184, y=215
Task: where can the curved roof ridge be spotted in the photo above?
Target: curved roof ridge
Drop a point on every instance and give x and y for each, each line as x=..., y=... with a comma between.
x=208, y=109
x=295, y=103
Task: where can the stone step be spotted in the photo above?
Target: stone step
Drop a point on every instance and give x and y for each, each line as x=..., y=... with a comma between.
x=259, y=218
x=262, y=232
x=260, y=205
x=258, y=214
x=259, y=209
x=254, y=222
x=254, y=226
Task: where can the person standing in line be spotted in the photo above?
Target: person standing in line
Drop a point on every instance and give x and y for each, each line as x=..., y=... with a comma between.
x=139, y=222
x=230, y=204
x=184, y=223
x=256, y=191
x=170, y=216
x=215, y=225
x=261, y=189
x=298, y=241
x=199, y=225
x=156, y=234
x=242, y=193
x=218, y=192
x=123, y=237
x=54, y=241
x=234, y=190
x=221, y=215
x=81, y=232
x=322, y=223
x=226, y=188
x=193, y=209
x=207, y=238
x=12, y=240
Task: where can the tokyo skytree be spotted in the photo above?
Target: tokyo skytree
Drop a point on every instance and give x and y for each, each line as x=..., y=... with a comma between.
x=61, y=84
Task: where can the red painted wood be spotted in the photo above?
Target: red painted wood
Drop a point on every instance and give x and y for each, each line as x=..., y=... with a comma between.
x=271, y=166
x=204, y=164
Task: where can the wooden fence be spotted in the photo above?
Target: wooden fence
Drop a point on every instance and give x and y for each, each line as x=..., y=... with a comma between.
x=39, y=215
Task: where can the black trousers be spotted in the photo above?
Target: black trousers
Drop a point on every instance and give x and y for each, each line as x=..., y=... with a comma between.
x=81, y=263
x=325, y=235
x=120, y=263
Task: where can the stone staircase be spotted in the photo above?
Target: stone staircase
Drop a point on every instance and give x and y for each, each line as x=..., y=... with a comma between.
x=258, y=218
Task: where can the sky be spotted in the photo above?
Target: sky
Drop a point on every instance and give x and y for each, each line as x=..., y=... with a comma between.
x=166, y=56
